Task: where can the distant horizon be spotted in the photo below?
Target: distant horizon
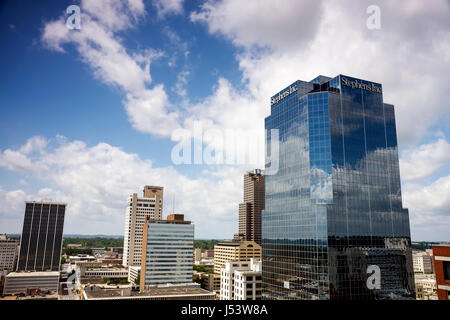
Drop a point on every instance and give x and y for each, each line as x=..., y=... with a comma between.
x=75, y=235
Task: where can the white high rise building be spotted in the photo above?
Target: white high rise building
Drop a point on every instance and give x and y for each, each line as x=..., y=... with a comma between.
x=138, y=210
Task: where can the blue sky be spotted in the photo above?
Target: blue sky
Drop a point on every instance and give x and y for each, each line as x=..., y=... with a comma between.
x=87, y=116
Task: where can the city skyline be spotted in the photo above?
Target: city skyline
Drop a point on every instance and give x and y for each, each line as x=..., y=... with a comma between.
x=100, y=108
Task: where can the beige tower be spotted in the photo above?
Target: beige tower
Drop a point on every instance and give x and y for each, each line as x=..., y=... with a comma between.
x=138, y=210
x=250, y=210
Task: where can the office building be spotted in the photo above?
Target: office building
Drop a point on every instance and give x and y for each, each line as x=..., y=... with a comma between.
x=226, y=251
x=133, y=274
x=197, y=254
x=42, y=235
x=334, y=226
x=168, y=251
x=250, y=209
x=208, y=281
x=8, y=253
x=23, y=282
x=208, y=254
x=138, y=210
x=441, y=257
x=241, y=280
x=426, y=288
x=422, y=262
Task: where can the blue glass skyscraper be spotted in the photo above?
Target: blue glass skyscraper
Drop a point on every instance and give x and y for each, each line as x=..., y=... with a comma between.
x=334, y=226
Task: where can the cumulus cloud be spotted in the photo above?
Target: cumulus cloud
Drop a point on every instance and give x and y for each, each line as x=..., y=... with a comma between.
x=99, y=45
x=96, y=180
x=412, y=66
x=429, y=209
x=286, y=25
x=409, y=55
x=420, y=162
x=165, y=7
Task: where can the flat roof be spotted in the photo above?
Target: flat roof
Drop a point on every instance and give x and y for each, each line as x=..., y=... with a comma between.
x=47, y=202
x=160, y=292
x=34, y=274
x=230, y=244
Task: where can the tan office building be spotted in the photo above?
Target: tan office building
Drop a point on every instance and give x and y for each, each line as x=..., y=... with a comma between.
x=138, y=210
x=250, y=210
x=234, y=251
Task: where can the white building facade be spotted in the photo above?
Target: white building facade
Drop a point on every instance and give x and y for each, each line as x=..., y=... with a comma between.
x=138, y=210
x=241, y=280
x=8, y=253
x=133, y=274
x=422, y=262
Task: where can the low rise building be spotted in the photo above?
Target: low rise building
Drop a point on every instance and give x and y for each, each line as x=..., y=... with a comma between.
x=425, y=286
x=191, y=291
x=81, y=257
x=96, y=272
x=441, y=258
x=197, y=254
x=22, y=282
x=8, y=253
x=422, y=262
x=98, y=251
x=208, y=281
x=208, y=254
x=241, y=280
x=133, y=274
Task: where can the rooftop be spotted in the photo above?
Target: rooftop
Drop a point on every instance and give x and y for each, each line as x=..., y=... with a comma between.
x=102, y=292
x=34, y=274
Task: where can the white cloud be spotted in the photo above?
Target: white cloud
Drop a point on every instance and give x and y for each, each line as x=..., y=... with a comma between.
x=285, y=25
x=412, y=66
x=410, y=56
x=114, y=15
x=11, y=201
x=420, y=162
x=96, y=180
x=165, y=7
x=101, y=48
x=429, y=209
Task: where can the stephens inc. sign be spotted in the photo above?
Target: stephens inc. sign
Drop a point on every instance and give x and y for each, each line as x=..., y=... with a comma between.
x=359, y=85
x=284, y=94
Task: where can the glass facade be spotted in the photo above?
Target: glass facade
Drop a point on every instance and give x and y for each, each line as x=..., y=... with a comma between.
x=333, y=226
x=170, y=253
x=41, y=241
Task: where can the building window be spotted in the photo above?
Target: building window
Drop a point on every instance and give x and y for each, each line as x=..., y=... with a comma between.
x=446, y=265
